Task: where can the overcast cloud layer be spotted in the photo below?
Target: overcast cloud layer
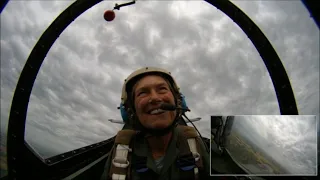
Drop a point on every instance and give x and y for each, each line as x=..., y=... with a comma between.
x=217, y=67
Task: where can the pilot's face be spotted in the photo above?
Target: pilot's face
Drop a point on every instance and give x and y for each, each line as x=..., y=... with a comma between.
x=149, y=92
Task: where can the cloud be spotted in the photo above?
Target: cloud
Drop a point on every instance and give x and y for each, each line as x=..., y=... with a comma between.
x=217, y=67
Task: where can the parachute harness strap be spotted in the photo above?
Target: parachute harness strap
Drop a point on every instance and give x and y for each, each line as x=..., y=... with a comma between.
x=120, y=162
x=193, y=148
x=191, y=135
x=118, y=177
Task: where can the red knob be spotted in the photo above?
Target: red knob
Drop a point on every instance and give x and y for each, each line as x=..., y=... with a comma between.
x=109, y=15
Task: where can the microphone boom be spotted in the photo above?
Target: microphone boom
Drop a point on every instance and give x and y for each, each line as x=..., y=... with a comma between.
x=171, y=107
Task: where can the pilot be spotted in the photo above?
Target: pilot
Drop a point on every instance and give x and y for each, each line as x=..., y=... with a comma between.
x=153, y=144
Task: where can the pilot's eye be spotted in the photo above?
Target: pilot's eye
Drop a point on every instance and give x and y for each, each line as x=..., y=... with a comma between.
x=141, y=93
x=163, y=89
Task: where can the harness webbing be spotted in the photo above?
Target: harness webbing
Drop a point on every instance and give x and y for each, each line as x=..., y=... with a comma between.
x=121, y=155
x=190, y=142
x=185, y=160
x=189, y=160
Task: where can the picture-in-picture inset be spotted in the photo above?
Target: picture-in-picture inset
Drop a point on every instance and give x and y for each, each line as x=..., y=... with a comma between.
x=264, y=145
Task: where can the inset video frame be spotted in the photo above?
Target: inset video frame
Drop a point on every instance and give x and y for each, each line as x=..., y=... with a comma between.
x=264, y=145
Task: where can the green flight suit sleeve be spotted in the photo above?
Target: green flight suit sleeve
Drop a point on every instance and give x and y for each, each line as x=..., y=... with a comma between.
x=106, y=170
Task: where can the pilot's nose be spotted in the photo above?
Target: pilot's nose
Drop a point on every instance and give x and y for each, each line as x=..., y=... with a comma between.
x=154, y=97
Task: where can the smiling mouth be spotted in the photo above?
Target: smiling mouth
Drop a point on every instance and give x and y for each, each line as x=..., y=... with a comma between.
x=156, y=112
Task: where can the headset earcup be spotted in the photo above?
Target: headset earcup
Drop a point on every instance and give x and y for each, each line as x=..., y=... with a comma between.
x=184, y=103
x=124, y=113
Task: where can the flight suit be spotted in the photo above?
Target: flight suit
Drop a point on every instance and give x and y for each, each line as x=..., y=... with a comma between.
x=143, y=165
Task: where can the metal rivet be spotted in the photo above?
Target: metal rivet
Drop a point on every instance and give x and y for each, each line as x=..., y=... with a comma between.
x=21, y=89
x=13, y=135
x=17, y=112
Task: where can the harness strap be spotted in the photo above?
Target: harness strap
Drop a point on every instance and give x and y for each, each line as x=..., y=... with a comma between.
x=193, y=142
x=193, y=148
x=185, y=160
x=199, y=163
x=188, y=161
x=121, y=154
x=120, y=163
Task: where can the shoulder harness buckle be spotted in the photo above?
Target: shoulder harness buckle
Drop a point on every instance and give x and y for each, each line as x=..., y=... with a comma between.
x=120, y=161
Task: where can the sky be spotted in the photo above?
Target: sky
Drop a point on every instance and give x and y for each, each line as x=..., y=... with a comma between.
x=218, y=69
x=291, y=141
